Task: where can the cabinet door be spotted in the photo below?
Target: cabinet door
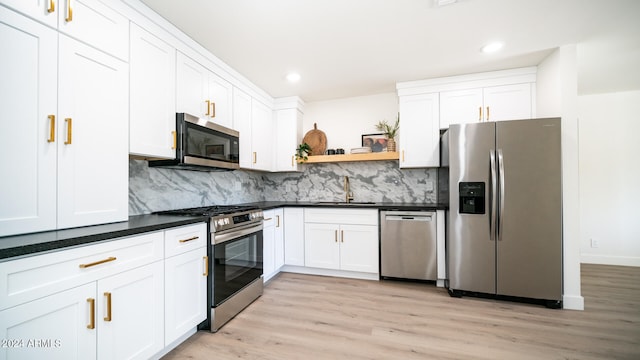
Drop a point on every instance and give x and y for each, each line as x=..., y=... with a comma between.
x=192, y=87
x=460, y=107
x=95, y=23
x=220, y=96
x=62, y=324
x=152, y=106
x=28, y=136
x=130, y=313
x=268, y=245
x=359, y=248
x=322, y=249
x=288, y=125
x=185, y=292
x=508, y=102
x=93, y=160
x=294, y=236
x=419, y=131
x=45, y=11
x=242, y=123
x=262, y=136
x=279, y=239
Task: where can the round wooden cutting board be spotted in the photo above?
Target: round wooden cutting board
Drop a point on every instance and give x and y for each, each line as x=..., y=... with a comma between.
x=317, y=140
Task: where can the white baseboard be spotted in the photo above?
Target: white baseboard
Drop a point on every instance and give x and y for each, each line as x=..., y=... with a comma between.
x=329, y=272
x=572, y=302
x=610, y=260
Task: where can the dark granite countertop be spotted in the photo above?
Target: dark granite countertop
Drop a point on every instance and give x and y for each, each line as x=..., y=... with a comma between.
x=29, y=244
x=267, y=205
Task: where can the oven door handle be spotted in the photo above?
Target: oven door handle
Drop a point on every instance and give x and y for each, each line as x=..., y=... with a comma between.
x=218, y=238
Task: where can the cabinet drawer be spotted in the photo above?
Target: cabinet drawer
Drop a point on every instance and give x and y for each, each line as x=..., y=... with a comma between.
x=30, y=278
x=341, y=216
x=185, y=238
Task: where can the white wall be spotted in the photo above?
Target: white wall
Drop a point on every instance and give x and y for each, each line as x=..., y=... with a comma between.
x=609, y=174
x=557, y=89
x=345, y=120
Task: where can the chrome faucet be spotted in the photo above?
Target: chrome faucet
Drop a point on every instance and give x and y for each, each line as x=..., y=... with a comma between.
x=347, y=189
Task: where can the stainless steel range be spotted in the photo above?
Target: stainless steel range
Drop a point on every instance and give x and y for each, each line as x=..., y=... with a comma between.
x=235, y=279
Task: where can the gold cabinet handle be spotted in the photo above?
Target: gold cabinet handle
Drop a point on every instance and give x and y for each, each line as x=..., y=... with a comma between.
x=84, y=266
x=336, y=236
x=175, y=140
x=213, y=109
x=52, y=131
x=402, y=155
x=206, y=266
x=108, y=296
x=277, y=220
x=480, y=114
x=208, y=107
x=341, y=235
x=487, y=113
x=69, y=122
x=69, y=17
x=268, y=219
x=52, y=6
x=255, y=157
x=189, y=239
x=292, y=160
x=92, y=316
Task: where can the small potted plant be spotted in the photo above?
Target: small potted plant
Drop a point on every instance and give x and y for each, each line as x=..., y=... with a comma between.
x=390, y=131
x=302, y=152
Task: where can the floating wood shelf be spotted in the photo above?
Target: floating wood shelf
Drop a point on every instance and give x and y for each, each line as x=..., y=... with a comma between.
x=353, y=157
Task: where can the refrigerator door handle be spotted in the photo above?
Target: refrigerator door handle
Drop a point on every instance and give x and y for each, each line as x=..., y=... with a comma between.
x=494, y=195
x=501, y=195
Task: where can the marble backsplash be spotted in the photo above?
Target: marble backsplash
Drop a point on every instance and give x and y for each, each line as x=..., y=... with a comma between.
x=155, y=189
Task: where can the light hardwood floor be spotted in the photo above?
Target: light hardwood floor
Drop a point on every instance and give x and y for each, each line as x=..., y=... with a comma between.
x=313, y=317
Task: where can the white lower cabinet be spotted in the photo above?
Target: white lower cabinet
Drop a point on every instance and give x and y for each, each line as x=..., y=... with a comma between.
x=58, y=326
x=130, y=313
x=294, y=236
x=118, y=299
x=341, y=239
x=273, y=243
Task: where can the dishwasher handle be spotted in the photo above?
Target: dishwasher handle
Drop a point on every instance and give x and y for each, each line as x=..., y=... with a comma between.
x=426, y=218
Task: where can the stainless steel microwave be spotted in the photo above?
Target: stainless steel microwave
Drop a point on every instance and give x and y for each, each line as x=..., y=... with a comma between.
x=203, y=145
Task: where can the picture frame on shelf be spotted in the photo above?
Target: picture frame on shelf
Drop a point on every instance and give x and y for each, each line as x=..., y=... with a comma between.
x=376, y=142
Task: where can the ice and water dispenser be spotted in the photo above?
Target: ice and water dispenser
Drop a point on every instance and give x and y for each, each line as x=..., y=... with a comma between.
x=472, y=197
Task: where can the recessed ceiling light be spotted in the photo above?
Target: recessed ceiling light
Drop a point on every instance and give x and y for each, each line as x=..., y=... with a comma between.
x=293, y=77
x=492, y=47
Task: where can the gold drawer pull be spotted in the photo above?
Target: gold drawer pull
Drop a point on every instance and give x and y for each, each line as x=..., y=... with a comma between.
x=175, y=140
x=52, y=6
x=69, y=122
x=108, y=296
x=208, y=107
x=487, y=113
x=336, y=235
x=92, y=320
x=341, y=235
x=69, y=12
x=111, y=258
x=213, y=109
x=206, y=266
x=52, y=131
x=277, y=220
x=189, y=239
x=267, y=219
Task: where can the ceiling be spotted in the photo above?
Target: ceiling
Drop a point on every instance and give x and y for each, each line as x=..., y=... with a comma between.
x=346, y=48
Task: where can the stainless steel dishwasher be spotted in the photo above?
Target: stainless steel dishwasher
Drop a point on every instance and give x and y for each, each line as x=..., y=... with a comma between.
x=408, y=245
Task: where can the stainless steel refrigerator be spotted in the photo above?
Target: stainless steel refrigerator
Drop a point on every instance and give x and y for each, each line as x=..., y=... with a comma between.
x=505, y=198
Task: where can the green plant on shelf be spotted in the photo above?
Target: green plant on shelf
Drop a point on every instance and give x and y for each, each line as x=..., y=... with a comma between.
x=302, y=152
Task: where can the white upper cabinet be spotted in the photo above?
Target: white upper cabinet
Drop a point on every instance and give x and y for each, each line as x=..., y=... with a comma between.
x=419, y=139
x=96, y=24
x=93, y=166
x=28, y=118
x=74, y=160
x=288, y=132
x=45, y=11
x=254, y=121
x=152, y=107
x=508, y=102
x=202, y=93
x=460, y=107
